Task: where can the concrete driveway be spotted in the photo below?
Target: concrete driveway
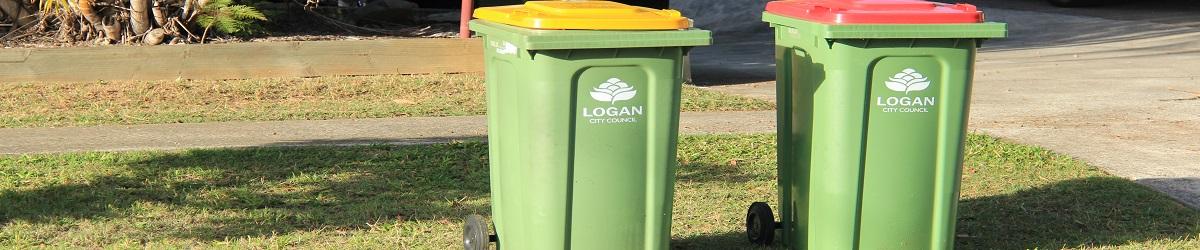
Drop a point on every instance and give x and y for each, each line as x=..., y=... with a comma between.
x=1114, y=86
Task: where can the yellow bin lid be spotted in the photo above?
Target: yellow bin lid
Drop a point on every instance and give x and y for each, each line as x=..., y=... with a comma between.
x=584, y=15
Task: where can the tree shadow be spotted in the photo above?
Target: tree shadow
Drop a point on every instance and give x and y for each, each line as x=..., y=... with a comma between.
x=264, y=191
x=710, y=172
x=282, y=190
x=361, y=141
x=1095, y=211
x=726, y=240
x=1184, y=190
x=1091, y=212
x=85, y=200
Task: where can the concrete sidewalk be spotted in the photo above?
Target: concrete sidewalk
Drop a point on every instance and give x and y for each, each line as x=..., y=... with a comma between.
x=404, y=130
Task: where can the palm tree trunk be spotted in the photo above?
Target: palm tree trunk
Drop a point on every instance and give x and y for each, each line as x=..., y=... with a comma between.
x=139, y=16
x=160, y=13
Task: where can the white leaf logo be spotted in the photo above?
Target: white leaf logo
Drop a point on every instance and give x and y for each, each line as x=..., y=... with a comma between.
x=506, y=49
x=907, y=80
x=613, y=90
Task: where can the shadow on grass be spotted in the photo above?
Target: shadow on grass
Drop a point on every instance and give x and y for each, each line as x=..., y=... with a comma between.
x=252, y=192
x=1097, y=211
x=727, y=240
x=229, y=193
x=361, y=141
x=1185, y=190
x=708, y=172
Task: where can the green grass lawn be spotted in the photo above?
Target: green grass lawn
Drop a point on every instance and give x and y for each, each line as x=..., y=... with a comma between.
x=151, y=102
x=412, y=197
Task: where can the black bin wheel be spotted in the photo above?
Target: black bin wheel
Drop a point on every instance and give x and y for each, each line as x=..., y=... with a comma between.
x=760, y=224
x=475, y=233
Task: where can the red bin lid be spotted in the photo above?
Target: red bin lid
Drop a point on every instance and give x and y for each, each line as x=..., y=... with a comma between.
x=876, y=11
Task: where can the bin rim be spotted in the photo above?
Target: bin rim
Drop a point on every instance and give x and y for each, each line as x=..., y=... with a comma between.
x=535, y=39
x=584, y=15
x=876, y=11
x=889, y=31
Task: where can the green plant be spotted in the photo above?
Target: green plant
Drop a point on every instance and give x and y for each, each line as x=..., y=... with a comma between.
x=227, y=17
x=56, y=6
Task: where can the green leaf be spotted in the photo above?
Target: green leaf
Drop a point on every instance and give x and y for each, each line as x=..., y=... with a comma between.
x=225, y=17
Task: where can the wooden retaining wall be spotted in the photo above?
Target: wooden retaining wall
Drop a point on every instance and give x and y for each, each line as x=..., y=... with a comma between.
x=241, y=60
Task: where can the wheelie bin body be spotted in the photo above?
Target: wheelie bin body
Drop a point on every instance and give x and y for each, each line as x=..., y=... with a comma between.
x=872, y=107
x=583, y=114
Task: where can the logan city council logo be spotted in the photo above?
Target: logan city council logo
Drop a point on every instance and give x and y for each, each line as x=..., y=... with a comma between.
x=610, y=92
x=505, y=48
x=613, y=90
x=907, y=81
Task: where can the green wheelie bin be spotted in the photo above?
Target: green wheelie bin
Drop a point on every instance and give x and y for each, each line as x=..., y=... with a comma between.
x=872, y=107
x=583, y=116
